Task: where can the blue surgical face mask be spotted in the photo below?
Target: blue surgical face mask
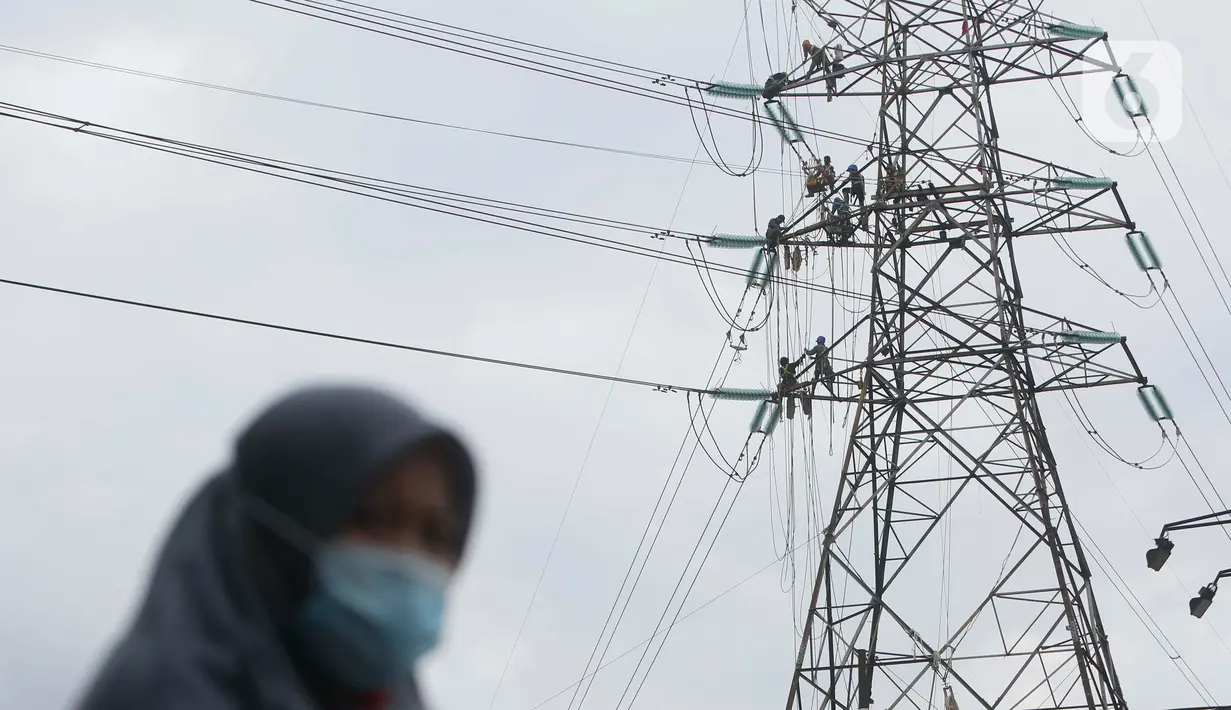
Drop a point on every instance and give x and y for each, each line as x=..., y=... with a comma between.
x=373, y=613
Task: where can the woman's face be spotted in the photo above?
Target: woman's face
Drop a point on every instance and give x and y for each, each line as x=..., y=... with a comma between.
x=410, y=508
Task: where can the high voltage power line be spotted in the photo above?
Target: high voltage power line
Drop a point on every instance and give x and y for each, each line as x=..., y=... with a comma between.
x=267, y=325
x=536, y=58
x=1206, y=367
x=361, y=112
x=495, y=212
x=589, y=449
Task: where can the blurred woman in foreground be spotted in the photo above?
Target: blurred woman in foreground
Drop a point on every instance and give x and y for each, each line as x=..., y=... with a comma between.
x=311, y=573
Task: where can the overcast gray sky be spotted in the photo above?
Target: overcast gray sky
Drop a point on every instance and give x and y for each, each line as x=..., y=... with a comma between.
x=112, y=415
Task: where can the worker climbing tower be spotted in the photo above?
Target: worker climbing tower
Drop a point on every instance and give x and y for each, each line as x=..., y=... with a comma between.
x=948, y=474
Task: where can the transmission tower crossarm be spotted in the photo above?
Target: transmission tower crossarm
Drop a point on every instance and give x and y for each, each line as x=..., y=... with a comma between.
x=1011, y=59
x=1222, y=517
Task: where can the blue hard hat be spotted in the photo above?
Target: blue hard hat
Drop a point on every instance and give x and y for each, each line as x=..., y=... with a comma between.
x=837, y=200
x=853, y=167
x=820, y=340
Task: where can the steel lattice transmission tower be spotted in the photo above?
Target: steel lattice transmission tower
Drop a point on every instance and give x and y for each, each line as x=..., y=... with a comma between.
x=951, y=572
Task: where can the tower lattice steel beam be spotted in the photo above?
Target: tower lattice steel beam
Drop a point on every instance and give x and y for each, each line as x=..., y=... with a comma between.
x=948, y=473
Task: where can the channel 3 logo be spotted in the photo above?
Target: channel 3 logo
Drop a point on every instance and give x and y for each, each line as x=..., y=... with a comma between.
x=1156, y=70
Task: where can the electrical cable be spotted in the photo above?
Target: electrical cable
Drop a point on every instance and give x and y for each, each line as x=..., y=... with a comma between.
x=1187, y=346
x=423, y=35
x=1070, y=107
x=240, y=159
x=1180, y=436
x=678, y=621
x=609, y=624
x=628, y=574
x=1070, y=252
x=1192, y=238
x=356, y=111
x=1146, y=148
x=1139, y=610
x=684, y=600
x=631, y=590
x=711, y=291
x=649, y=523
x=715, y=155
x=1137, y=518
x=1187, y=228
x=1217, y=286
x=1200, y=129
x=727, y=468
x=464, y=33
x=350, y=338
x=1087, y=425
x=645, y=296
x=428, y=199
x=447, y=40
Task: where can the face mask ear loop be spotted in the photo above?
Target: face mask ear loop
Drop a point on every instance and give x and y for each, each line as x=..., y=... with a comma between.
x=280, y=524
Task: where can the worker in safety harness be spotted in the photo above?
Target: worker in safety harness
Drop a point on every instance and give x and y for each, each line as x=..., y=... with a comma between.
x=820, y=61
x=896, y=182
x=840, y=228
x=788, y=383
x=773, y=236
x=774, y=85
x=829, y=176
x=836, y=69
x=820, y=360
x=821, y=177
x=774, y=232
x=855, y=189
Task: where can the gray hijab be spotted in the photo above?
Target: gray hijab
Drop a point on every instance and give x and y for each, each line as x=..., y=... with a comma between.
x=211, y=631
